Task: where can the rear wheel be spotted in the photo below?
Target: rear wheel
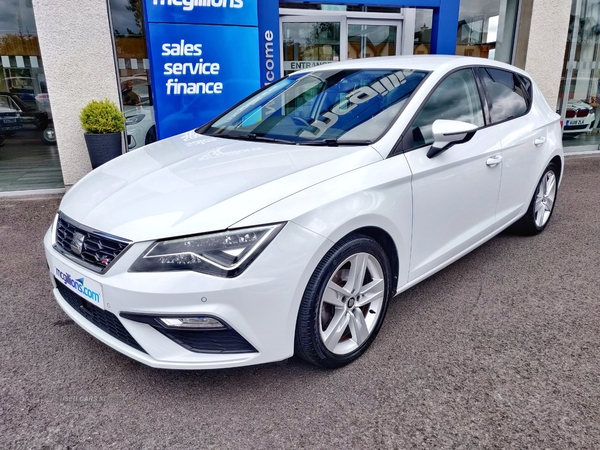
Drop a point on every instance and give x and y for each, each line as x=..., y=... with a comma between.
x=49, y=136
x=344, y=303
x=542, y=204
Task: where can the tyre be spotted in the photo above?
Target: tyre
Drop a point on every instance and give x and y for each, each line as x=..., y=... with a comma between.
x=541, y=207
x=49, y=136
x=150, y=135
x=344, y=303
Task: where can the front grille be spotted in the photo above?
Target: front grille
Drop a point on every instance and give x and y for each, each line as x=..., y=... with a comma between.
x=582, y=112
x=98, y=251
x=210, y=341
x=105, y=320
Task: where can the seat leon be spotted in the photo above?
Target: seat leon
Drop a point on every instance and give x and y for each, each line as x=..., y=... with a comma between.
x=287, y=224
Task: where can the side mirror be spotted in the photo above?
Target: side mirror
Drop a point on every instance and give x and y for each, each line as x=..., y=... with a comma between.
x=447, y=133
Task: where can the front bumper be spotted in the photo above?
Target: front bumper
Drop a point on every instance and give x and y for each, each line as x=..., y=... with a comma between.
x=588, y=125
x=261, y=304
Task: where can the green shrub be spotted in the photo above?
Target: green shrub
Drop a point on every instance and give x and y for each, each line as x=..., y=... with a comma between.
x=102, y=117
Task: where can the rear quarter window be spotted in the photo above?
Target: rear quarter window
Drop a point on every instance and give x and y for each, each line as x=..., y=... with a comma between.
x=526, y=83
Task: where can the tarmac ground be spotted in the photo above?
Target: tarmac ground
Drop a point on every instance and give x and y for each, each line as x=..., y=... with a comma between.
x=499, y=350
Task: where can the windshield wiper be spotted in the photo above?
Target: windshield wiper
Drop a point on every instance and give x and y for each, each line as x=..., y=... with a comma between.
x=335, y=142
x=254, y=137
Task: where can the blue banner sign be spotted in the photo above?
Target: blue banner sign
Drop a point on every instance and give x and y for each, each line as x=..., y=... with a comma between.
x=268, y=24
x=195, y=77
x=217, y=12
x=204, y=58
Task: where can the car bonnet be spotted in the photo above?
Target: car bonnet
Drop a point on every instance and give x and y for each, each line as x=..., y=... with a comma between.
x=192, y=184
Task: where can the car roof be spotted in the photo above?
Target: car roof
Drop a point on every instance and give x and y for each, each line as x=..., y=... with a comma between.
x=428, y=63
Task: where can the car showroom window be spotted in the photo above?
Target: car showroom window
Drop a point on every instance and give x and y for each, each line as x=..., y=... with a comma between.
x=456, y=98
x=506, y=95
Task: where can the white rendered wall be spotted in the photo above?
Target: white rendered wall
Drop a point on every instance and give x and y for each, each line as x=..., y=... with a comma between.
x=77, y=53
x=547, y=43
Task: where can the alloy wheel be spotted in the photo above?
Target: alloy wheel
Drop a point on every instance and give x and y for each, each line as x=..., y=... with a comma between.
x=49, y=135
x=544, y=200
x=351, y=303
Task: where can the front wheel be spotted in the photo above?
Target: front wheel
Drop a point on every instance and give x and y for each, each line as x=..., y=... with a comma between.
x=150, y=135
x=344, y=303
x=542, y=204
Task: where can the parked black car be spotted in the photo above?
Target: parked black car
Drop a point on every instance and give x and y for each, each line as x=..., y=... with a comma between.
x=29, y=115
x=10, y=121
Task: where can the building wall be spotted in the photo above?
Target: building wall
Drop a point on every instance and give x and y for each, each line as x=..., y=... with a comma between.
x=76, y=45
x=546, y=47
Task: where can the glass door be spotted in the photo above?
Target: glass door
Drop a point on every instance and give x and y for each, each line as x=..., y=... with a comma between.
x=311, y=41
x=368, y=39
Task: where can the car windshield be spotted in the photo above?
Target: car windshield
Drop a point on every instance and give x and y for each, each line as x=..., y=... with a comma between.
x=7, y=102
x=321, y=108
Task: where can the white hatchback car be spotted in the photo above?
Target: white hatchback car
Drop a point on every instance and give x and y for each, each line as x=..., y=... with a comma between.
x=286, y=225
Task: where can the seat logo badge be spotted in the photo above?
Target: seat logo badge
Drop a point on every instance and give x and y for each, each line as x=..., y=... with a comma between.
x=77, y=243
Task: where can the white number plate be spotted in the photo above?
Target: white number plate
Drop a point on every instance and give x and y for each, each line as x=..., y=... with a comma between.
x=85, y=287
x=575, y=122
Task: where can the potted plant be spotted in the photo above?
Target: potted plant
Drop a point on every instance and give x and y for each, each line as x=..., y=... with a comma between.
x=103, y=123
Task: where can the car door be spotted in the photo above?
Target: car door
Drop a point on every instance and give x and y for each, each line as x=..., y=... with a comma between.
x=522, y=134
x=454, y=193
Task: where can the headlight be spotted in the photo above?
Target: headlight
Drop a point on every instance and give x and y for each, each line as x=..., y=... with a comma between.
x=132, y=120
x=225, y=254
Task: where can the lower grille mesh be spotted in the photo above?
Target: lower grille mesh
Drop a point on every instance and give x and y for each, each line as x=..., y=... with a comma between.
x=209, y=341
x=105, y=320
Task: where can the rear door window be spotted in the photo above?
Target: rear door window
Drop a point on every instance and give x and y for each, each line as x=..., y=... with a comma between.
x=505, y=93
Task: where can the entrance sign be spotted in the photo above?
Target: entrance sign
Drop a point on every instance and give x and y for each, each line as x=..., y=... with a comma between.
x=299, y=65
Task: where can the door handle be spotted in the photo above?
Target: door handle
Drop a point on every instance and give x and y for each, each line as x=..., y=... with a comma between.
x=539, y=141
x=494, y=161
